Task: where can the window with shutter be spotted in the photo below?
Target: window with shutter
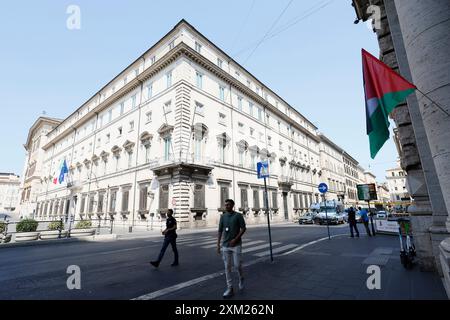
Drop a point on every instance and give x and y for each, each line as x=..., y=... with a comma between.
x=101, y=196
x=112, y=206
x=199, y=196
x=244, y=199
x=125, y=196
x=256, y=204
x=143, y=199
x=223, y=196
x=164, y=198
x=295, y=201
x=274, y=200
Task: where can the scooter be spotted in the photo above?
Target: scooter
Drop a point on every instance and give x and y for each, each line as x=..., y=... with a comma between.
x=407, y=248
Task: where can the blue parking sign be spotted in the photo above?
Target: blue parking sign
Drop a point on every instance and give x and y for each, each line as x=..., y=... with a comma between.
x=263, y=169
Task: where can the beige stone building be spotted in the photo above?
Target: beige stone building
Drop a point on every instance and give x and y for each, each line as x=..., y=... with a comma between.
x=414, y=41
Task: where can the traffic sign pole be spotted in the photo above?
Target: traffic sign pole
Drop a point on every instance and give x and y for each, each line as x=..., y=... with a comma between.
x=326, y=215
x=262, y=170
x=268, y=218
x=323, y=188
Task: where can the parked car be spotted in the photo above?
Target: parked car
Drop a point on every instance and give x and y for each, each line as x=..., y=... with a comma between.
x=307, y=218
x=332, y=216
x=382, y=215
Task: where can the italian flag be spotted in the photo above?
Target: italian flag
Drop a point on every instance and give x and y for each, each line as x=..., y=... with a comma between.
x=384, y=90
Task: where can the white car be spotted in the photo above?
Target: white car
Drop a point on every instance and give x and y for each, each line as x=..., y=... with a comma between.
x=382, y=215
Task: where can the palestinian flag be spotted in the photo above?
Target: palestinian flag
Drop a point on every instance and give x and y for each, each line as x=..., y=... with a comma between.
x=384, y=90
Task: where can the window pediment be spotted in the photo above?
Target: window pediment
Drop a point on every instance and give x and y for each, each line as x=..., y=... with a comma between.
x=104, y=155
x=199, y=130
x=223, y=138
x=242, y=145
x=116, y=150
x=146, y=138
x=165, y=130
x=128, y=146
x=95, y=158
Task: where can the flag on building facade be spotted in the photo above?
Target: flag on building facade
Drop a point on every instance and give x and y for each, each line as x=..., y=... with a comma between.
x=63, y=172
x=384, y=90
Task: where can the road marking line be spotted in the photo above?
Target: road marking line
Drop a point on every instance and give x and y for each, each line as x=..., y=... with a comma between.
x=186, y=240
x=165, y=291
x=263, y=246
x=277, y=250
x=310, y=243
x=122, y=250
x=244, y=245
x=202, y=243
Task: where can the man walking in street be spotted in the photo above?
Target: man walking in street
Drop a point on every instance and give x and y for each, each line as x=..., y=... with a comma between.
x=365, y=219
x=352, y=222
x=170, y=237
x=232, y=227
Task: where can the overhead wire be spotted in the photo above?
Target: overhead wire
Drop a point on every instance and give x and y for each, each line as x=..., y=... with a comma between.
x=243, y=25
x=270, y=29
x=307, y=13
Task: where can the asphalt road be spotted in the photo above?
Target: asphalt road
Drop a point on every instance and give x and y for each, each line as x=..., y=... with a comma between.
x=121, y=270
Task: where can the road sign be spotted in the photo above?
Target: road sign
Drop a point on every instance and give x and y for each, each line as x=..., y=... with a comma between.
x=263, y=169
x=367, y=192
x=323, y=188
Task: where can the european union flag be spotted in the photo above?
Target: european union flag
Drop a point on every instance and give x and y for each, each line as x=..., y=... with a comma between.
x=64, y=171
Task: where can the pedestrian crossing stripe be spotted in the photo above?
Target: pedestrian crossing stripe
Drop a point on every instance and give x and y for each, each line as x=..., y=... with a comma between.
x=244, y=244
x=187, y=240
x=263, y=246
x=202, y=243
x=277, y=250
x=209, y=242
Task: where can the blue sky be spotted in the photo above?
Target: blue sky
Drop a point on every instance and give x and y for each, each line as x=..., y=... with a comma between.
x=315, y=64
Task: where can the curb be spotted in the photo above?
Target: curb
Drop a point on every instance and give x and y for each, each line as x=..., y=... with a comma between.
x=95, y=238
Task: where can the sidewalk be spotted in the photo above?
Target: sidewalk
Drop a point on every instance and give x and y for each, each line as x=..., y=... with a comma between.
x=328, y=269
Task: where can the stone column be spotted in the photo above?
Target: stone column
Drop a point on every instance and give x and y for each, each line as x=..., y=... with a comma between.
x=408, y=146
x=435, y=224
x=425, y=29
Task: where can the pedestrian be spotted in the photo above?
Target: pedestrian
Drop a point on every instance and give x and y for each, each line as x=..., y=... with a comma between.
x=170, y=237
x=352, y=222
x=232, y=227
x=365, y=220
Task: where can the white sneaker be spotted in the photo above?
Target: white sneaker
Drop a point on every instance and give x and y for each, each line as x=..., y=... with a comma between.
x=228, y=293
x=241, y=284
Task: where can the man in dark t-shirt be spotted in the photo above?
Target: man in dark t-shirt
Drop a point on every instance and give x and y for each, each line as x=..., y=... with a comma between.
x=352, y=222
x=170, y=237
x=232, y=227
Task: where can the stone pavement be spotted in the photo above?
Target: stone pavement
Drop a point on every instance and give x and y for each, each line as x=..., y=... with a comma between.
x=329, y=269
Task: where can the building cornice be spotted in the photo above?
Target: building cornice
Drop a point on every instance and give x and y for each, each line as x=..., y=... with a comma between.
x=181, y=49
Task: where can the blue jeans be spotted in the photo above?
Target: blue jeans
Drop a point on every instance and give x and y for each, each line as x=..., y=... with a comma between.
x=172, y=241
x=232, y=256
